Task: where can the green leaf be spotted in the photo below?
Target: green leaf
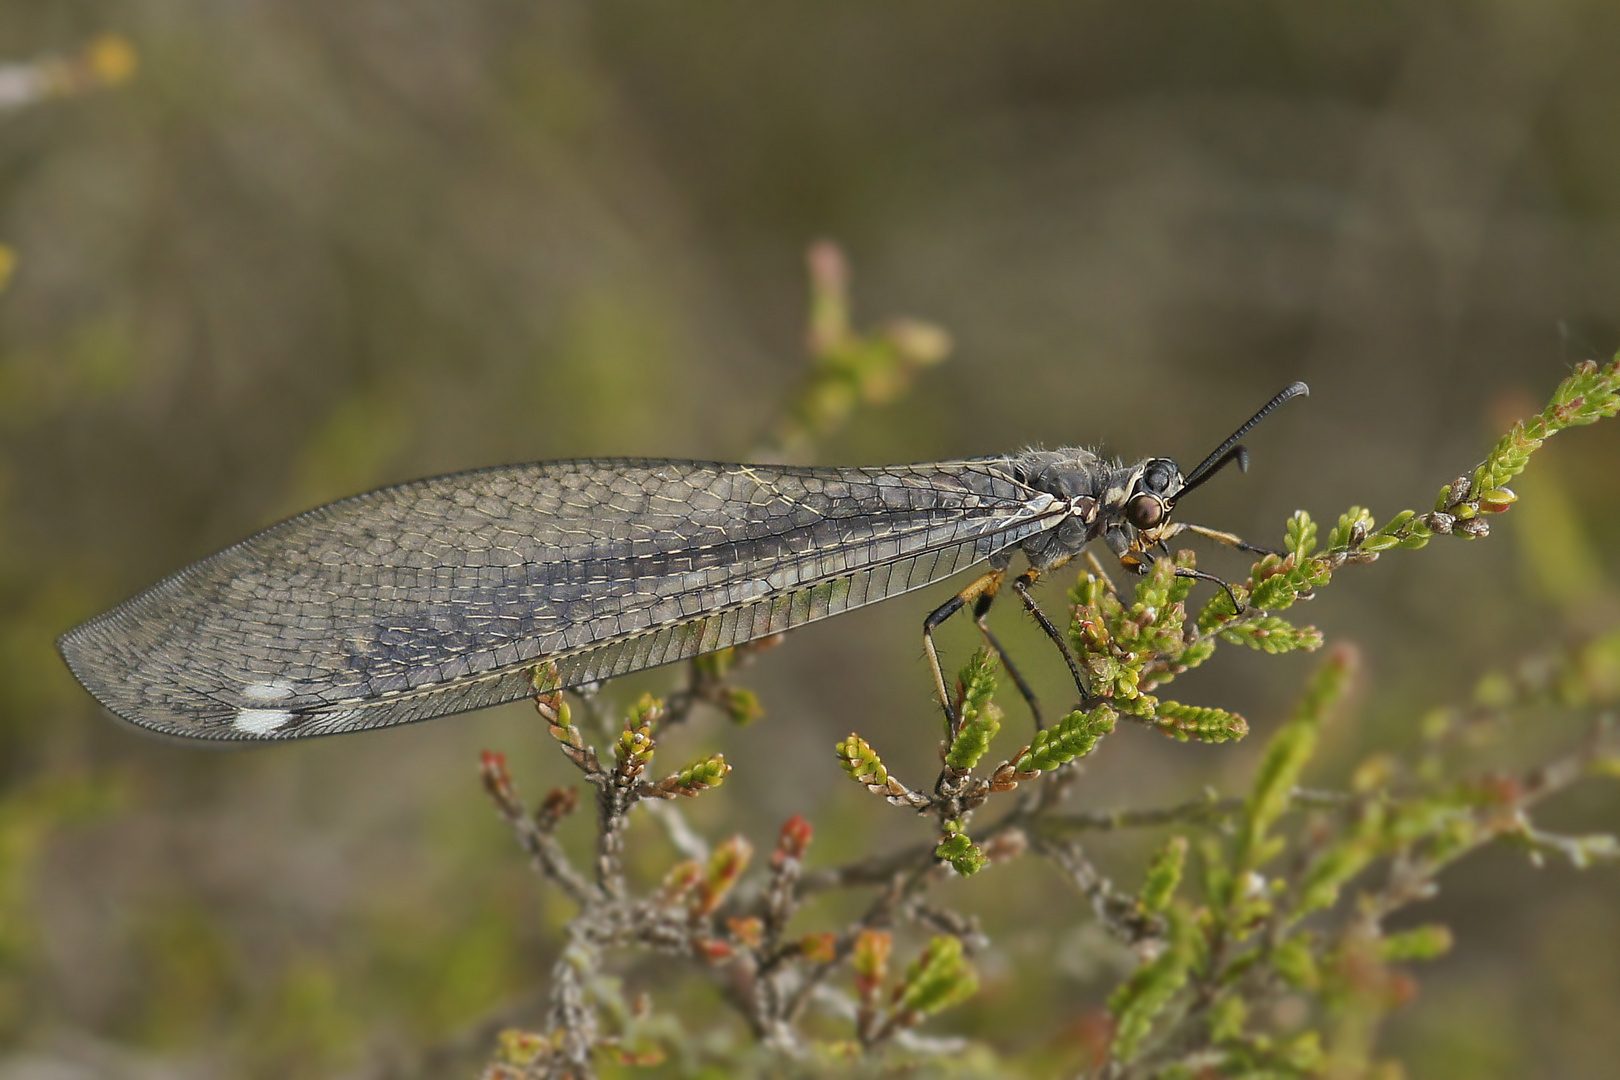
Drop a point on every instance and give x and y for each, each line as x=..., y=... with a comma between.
x=1353, y=521
x=635, y=747
x=1301, y=535
x=977, y=682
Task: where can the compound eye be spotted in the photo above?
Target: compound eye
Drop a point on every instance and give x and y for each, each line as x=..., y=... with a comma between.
x=1157, y=476
x=1144, y=511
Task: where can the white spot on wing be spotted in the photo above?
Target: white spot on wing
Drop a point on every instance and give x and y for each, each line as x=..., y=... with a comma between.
x=270, y=691
x=261, y=721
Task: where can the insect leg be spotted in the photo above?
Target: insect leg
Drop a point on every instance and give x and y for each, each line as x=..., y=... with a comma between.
x=981, y=608
x=1021, y=586
x=988, y=582
x=1142, y=561
x=1139, y=561
x=1237, y=605
x=1226, y=538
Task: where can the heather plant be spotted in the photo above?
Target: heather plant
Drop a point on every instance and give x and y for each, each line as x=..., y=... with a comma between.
x=1262, y=925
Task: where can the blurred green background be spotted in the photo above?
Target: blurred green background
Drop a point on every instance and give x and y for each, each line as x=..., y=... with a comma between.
x=311, y=248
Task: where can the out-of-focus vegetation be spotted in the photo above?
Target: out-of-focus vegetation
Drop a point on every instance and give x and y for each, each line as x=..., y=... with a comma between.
x=308, y=248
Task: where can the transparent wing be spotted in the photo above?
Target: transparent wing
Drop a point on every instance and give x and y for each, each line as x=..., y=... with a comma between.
x=438, y=596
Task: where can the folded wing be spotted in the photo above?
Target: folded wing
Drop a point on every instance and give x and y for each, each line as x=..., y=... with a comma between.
x=439, y=596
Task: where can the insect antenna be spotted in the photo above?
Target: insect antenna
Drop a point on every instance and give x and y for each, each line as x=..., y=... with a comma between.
x=1229, y=451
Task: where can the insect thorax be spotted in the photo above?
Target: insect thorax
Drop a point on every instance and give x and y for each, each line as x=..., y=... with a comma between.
x=1099, y=492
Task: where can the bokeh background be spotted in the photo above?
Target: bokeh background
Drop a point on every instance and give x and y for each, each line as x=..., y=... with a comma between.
x=310, y=248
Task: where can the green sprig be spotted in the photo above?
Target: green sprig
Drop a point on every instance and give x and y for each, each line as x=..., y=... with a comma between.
x=980, y=718
x=958, y=849
x=1163, y=876
x=1331, y=868
x=861, y=762
x=699, y=776
x=1352, y=527
x=1589, y=394
x=634, y=748
x=1139, y=1001
x=1272, y=635
x=1428, y=942
x=940, y=977
x=1301, y=535
x=1076, y=736
x=741, y=705
x=1285, y=757
x=722, y=872
x=1199, y=723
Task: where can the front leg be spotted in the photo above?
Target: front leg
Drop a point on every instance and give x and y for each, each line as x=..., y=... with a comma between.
x=1140, y=562
x=1229, y=539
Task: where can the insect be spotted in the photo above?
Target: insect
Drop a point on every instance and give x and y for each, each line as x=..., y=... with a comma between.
x=441, y=595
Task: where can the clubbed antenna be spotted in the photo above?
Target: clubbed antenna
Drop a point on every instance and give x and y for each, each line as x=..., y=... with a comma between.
x=1229, y=450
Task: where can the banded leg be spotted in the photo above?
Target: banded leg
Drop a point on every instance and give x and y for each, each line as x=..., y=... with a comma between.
x=1231, y=540
x=982, y=592
x=1021, y=586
